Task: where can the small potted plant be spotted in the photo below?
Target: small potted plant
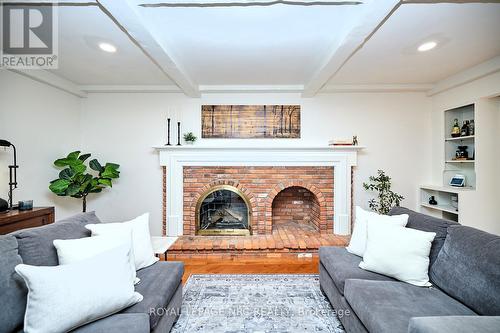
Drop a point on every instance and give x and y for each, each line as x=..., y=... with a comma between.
x=190, y=138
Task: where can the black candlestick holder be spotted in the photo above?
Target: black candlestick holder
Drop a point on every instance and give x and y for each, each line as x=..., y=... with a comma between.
x=179, y=133
x=168, y=132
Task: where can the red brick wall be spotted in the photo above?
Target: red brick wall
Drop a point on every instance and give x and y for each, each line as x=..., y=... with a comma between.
x=261, y=185
x=296, y=204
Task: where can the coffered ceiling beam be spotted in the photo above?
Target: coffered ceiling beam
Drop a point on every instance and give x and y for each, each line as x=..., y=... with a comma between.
x=129, y=21
x=375, y=14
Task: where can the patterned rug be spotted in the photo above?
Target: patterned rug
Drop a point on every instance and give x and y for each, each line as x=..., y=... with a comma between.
x=255, y=303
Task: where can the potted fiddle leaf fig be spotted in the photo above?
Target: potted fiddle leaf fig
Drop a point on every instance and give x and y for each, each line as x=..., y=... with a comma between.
x=74, y=180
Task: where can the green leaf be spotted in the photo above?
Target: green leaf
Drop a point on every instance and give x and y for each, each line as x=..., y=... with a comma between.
x=73, y=155
x=110, y=171
x=96, y=190
x=66, y=174
x=62, y=162
x=73, y=189
x=78, y=168
x=105, y=181
x=112, y=165
x=59, y=186
x=95, y=165
x=84, y=157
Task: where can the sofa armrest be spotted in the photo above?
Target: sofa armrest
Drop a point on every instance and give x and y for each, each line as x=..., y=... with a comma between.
x=456, y=324
x=118, y=323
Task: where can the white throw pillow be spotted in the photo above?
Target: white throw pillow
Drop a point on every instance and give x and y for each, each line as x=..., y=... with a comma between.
x=61, y=298
x=402, y=253
x=357, y=245
x=73, y=250
x=141, y=238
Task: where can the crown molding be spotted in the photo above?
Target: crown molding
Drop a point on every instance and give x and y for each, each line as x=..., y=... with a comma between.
x=130, y=89
x=473, y=73
x=399, y=87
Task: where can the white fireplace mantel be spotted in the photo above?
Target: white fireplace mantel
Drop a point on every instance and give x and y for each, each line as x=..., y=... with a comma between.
x=175, y=158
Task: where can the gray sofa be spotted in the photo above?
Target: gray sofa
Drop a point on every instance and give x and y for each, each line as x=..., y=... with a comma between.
x=160, y=283
x=464, y=270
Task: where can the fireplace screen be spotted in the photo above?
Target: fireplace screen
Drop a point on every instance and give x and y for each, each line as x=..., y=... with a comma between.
x=223, y=210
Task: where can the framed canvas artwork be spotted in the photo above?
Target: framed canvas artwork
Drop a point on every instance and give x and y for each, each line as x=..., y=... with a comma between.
x=250, y=121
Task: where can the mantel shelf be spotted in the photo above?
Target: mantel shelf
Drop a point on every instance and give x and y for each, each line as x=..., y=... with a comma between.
x=267, y=148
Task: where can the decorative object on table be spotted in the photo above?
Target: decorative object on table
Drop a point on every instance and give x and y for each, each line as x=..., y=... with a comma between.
x=12, y=170
x=190, y=138
x=465, y=129
x=179, y=133
x=454, y=201
x=455, y=130
x=432, y=201
x=4, y=206
x=387, y=199
x=341, y=142
x=257, y=302
x=250, y=121
x=74, y=182
x=472, y=127
x=355, y=140
x=25, y=205
x=461, y=153
x=168, y=132
x=457, y=181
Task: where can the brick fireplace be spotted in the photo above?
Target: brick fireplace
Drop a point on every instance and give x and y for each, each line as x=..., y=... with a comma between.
x=276, y=194
x=298, y=198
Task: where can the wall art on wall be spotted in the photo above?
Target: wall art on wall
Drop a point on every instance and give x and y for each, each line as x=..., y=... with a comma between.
x=250, y=121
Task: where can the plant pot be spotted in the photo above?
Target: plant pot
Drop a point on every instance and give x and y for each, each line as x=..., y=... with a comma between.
x=189, y=142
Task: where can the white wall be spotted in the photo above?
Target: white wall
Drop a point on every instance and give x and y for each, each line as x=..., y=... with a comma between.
x=478, y=208
x=44, y=124
x=122, y=128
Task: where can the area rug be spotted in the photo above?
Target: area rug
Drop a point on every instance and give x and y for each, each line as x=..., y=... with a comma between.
x=256, y=303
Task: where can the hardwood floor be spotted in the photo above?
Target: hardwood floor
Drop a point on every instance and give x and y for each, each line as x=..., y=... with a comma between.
x=250, y=266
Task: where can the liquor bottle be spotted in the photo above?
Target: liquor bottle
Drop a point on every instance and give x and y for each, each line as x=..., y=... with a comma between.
x=465, y=129
x=471, y=127
x=455, y=130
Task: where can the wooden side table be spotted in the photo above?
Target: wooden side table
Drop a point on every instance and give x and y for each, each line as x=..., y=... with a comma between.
x=16, y=220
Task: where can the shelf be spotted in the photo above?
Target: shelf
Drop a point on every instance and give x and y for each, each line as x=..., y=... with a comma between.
x=460, y=161
x=443, y=208
x=447, y=189
x=469, y=137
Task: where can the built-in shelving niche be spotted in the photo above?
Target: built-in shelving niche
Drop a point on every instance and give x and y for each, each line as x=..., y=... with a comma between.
x=452, y=166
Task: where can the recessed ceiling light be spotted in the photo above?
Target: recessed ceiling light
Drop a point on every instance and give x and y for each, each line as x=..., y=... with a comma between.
x=106, y=47
x=427, y=46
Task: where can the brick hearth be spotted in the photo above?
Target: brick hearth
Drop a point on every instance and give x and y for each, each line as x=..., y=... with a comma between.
x=287, y=239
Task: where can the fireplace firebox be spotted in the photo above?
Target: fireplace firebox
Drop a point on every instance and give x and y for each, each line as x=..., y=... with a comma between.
x=223, y=210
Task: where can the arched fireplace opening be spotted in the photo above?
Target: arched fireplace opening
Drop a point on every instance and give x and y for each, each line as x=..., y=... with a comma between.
x=223, y=210
x=296, y=207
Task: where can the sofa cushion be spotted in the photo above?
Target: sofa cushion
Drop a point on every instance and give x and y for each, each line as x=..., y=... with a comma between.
x=158, y=284
x=35, y=244
x=455, y=324
x=118, y=323
x=13, y=291
x=428, y=223
x=386, y=306
x=468, y=269
x=342, y=265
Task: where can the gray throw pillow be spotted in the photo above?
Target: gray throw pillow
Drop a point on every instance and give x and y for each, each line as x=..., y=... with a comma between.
x=13, y=291
x=36, y=244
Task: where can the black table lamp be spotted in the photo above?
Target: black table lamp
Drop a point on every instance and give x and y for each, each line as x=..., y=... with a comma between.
x=12, y=170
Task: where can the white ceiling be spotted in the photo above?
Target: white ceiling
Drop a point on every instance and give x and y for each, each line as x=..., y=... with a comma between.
x=467, y=34
x=249, y=45
x=271, y=46
x=81, y=61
